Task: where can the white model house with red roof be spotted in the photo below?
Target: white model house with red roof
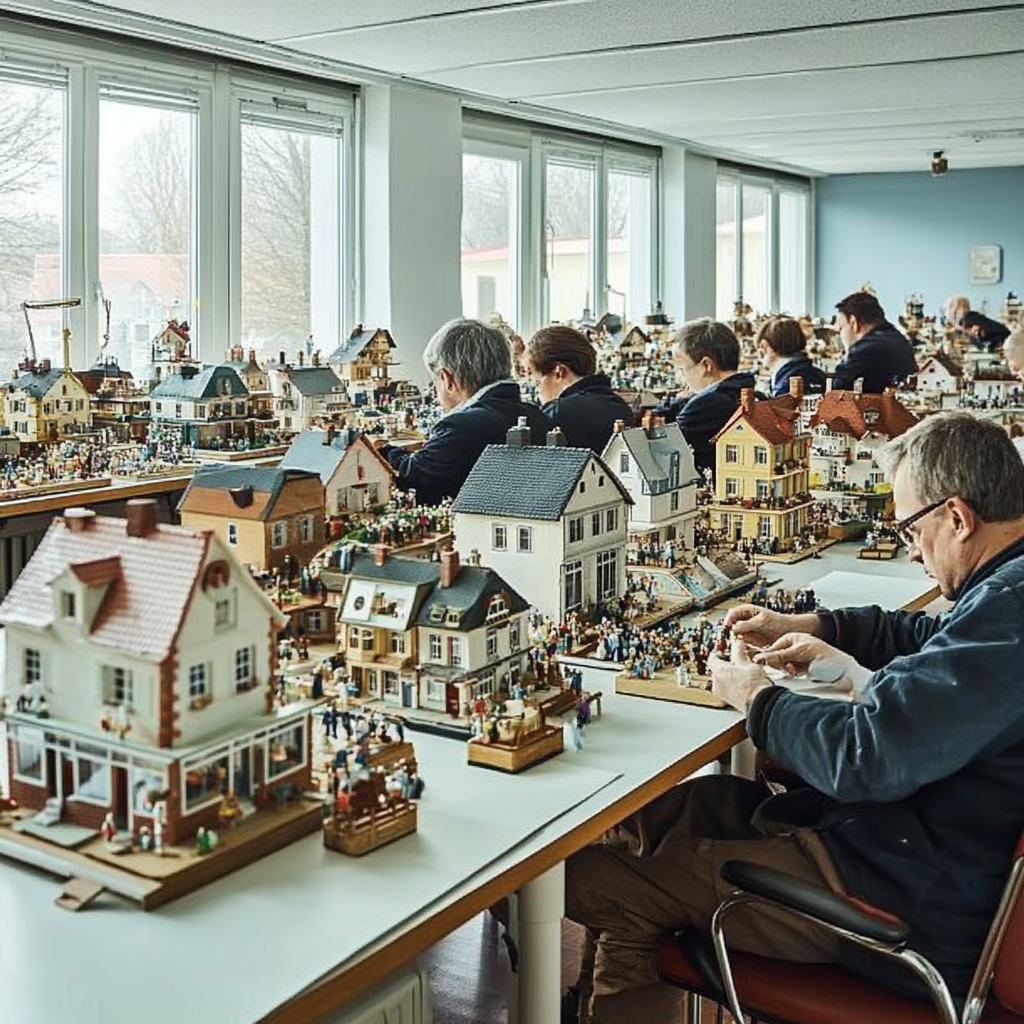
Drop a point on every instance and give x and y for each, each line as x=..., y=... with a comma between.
x=139, y=661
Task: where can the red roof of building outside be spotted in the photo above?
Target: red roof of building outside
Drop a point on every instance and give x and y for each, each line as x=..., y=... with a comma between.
x=150, y=587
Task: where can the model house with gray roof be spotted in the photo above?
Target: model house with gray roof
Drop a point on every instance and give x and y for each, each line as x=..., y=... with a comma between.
x=43, y=403
x=306, y=396
x=551, y=520
x=355, y=477
x=655, y=464
x=434, y=635
x=209, y=405
x=153, y=653
x=362, y=361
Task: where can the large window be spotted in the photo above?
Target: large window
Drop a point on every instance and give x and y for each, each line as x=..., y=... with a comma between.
x=762, y=244
x=146, y=202
x=491, y=187
x=569, y=229
x=32, y=139
x=629, y=243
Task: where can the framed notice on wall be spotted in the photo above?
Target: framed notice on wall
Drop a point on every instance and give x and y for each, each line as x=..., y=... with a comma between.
x=986, y=264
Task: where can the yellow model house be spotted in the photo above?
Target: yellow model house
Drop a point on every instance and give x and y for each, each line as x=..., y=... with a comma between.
x=42, y=403
x=761, y=472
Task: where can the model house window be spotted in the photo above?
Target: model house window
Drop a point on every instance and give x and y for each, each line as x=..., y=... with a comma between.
x=732, y=487
x=484, y=687
x=390, y=684
x=456, y=652
x=198, y=685
x=67, y=604
x=435, y=693
x=28, y=754
x=575, y=529
x=761, y=456
x=33, y=666
x=513, y=636
x=118, y=685
x=306, y=529
x=595, y=524
x=224, y=613
x=607, y=575
x=232, y=533
x=762, y=488
x=573, y=585
x=353, y=636
x=92, y=782
x=732, y=453
x=205, y=779
x=764, y=527
x=497, y=608
x=397, y=643
x=674, y=501
x=611, y=520
x=525, y=538
x=499, y=538
x=435, y=648
x=367, y=639
x=278, y=535
x=201, y=411
x=177, y=411
x=492, y=643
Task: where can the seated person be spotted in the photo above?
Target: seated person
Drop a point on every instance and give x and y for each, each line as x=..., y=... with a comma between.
x=707, y=355
x=575, y=396
x=471, y=365
x=983, y=332
x=912, y=795
x=875, y=351
x=782, y=346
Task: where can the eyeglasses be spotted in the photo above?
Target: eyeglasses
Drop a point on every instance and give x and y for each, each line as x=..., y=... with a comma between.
x=902, y=528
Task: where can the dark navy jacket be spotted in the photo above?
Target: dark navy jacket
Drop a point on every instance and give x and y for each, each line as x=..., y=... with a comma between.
x=918, y=788
x=703, y=415
x=883, y=357
x=586, y=411
x=799, y=366
x=991, y=333
x=441, y=466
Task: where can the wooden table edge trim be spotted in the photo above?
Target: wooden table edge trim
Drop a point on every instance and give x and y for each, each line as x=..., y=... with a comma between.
x=337, y=990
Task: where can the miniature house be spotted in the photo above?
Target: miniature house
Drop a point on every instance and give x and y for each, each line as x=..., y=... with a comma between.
x=153, y=650
x=635, y=347
x=761, y=471
x=429, y=635
x=551, y=520
x=362, y=362
x=269, y=518
x=655, y=464
x=45, y=404
x=257, y=384
x=995, y=385
x=118, y=403
x=355, y=477
x=939, y=375
x=306, y=396
x=847, y=428
x=171, y=351
x=209, y=406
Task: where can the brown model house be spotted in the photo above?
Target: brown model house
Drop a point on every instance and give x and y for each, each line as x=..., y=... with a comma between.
x=268, y=518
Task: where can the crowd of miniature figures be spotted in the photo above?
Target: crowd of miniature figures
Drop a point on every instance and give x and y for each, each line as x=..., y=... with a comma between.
x=400, y=523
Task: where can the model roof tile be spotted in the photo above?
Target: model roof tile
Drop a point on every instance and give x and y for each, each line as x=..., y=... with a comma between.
x=262, y=480
x=774, y=419
x=36, y=383
x=311, y=381
x=146, y=602
x=205, y=384
x=308, y=451
x=533, y=482
x=848, y=412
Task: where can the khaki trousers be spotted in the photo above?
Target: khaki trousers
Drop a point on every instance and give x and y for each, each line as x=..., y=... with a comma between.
x=660, y=870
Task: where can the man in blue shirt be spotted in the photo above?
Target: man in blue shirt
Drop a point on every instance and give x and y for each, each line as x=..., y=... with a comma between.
x=876, y=353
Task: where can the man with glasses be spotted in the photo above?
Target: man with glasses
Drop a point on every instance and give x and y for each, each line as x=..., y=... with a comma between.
x=910, y=793
x=471, y=366
x=707, y=355
x=876, y=352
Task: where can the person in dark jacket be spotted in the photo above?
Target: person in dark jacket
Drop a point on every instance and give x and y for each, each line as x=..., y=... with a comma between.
x=574, y=395
x=982, y=331
x=876, y=352
x=909, y=794
x=707, y=355
x=782, y=346
x=471, y=365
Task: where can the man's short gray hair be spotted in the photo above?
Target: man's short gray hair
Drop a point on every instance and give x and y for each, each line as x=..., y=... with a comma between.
x=955, y=454
x=474, y=353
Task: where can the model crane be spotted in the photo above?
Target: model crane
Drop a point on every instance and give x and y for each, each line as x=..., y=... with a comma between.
x=49, y=304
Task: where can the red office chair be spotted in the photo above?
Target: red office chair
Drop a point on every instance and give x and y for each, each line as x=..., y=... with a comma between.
x=794, y=993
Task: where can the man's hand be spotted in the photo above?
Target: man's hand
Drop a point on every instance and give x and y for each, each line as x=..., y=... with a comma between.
x=737, y=681
x=794, y=652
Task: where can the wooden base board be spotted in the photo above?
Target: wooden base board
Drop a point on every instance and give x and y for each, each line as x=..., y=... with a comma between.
x=664, y=687
x=152, y=880
x=503, y=757
x=360, y=837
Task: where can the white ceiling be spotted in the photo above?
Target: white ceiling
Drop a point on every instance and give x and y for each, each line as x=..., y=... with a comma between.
x=830, y=86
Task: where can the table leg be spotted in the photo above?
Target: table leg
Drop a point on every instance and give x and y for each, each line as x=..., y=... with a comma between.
x=743, y=759
x=537, y=994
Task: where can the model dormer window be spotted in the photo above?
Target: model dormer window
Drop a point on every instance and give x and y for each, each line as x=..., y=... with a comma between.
x=118, y=686
x=68, y=604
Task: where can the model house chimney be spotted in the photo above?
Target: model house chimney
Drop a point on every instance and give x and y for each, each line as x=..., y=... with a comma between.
x=747, y=399
x=474, y=555
x=380, y=554
x=302, y=357
x=555, y=438
x=647, y=420
x=519, y=435
x=796, y=387
x=329, y=435
x=280, y=358
x=141, y=517
x=449, y=567
x=858, y=386
x=315, y=357
x=620, y=426
x=78, y=520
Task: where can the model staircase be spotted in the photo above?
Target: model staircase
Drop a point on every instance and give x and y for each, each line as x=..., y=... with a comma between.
x=51, y=812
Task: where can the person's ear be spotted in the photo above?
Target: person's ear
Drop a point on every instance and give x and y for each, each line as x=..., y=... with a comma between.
x=965, y=519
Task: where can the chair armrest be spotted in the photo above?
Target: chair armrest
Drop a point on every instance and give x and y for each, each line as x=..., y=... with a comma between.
x=831, y=908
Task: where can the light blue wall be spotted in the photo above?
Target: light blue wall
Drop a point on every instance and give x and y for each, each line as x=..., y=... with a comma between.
x=908, y=233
